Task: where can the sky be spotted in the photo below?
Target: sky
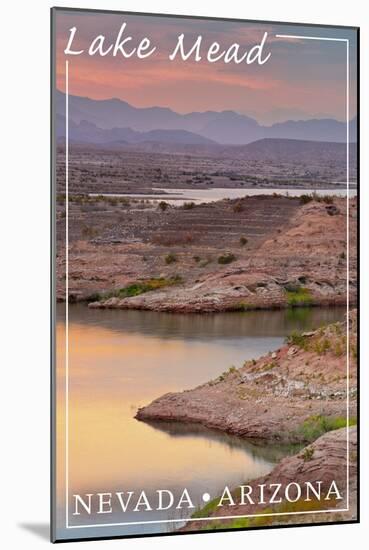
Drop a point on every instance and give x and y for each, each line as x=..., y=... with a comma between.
x=302, y=79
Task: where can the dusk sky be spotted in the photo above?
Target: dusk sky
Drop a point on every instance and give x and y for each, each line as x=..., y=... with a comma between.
x=302, y=79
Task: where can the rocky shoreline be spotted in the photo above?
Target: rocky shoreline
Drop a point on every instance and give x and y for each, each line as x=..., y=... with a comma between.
x=297, y=394
x=321, y=464
x=287, y=395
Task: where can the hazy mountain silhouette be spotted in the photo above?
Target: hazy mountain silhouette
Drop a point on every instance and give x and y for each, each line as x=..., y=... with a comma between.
x=88, y=132
x=291, y=150
x=225, y=127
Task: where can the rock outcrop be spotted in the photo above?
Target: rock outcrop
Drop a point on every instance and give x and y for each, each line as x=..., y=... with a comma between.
x=323, y=461
x=288, y=395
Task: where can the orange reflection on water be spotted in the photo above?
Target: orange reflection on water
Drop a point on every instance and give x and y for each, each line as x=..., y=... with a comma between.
x=111, y=374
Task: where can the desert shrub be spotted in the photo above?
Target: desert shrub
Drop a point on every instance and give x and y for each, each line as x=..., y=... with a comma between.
x=239, y=306
x=316, y=425
x=207, y=509
x=163, y=205
x=353, y=348
x=188, y=205
x=124, y=201
x=238, y=207
x=299, y=297
x=305, y=199
x=297, y=339
x=307, y=454
x=88, y=232
x=327, y=199
x=339, y=347
x=226, y=258
x=243, y=241
x=170, y=258
x=137, y=288
x=270, y=366
x=321, y=346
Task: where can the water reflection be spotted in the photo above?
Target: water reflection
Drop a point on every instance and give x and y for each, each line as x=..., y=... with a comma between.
x=260, y=323
x=121, y=360
x=257, y=448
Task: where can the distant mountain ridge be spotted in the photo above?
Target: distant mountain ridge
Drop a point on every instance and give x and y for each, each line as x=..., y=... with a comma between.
x=88, y=132
x=225, y=127
x=292, y=149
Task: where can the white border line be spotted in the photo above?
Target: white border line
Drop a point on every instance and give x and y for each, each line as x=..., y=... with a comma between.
x=181, y=520
x=311, y=38
x=335, y=510
x=347, y=274
x=67, y=293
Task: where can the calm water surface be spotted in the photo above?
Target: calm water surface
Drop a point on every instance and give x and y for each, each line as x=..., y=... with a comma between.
x=121, y=360
x=179, y=196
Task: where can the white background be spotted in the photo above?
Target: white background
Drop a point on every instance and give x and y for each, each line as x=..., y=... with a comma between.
x=24, y=298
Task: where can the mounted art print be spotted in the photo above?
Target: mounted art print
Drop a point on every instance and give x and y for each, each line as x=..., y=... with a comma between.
x=204, y=308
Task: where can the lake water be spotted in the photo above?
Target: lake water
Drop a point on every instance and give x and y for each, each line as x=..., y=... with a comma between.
x=121, y=360
x=179, y=196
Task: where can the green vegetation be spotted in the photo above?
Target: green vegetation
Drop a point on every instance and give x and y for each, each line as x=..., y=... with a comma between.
x=188, y=205
x=243, y=241
x=237, y=523
x=207, y=509
x=307, y=454
x=226, y=373
x=170, y=258
x=321, y=346
x=297, y=339
x=270, y=366
x=163, y=205
x=299, y=315
x=267, y=518
x=327, y=199
x=81, y=199
x=353, y=348
x=317, y=425
x=304, y=199
x=226, y=258
x=240, y=306
x=332, y=339
x=135, y=289
x=299, y=297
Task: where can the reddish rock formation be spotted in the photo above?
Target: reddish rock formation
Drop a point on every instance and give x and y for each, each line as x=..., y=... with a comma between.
x=286, y=395
x=301, y=262
x=323, y=461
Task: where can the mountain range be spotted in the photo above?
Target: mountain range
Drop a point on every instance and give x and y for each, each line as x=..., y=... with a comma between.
x=88, y=132
x=112, y=121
